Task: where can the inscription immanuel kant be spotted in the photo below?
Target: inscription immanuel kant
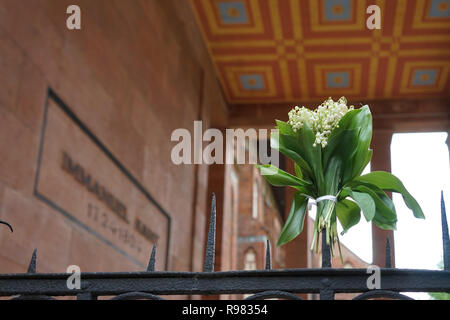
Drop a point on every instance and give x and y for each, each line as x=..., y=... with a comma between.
x=78, y=177
x=82, y=176
x=145, y=231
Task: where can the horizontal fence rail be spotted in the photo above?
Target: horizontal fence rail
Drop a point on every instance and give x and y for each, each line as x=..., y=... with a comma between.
x=262, y=284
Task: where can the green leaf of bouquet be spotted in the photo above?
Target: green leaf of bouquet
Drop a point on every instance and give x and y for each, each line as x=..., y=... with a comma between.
x=385, y=215
x=288, y=146
x=346, y=120
x=348, y=214
x=277, y=177
x=364, y=201
x=333, y=174
x=298, y=171
x=344, y=123
x=362, y=120
x=388, y=182
x=343, y=145
x=295, y=221
x=384, y=223
x=337, y=156
x=311, y=154
x=384, y=205
x=365, y=163
x=284, y=128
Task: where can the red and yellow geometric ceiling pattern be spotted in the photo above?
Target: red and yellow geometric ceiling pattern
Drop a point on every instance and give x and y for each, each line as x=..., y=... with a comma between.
x=306, y=50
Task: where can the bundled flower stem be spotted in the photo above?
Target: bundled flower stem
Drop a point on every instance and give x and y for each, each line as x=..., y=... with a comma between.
x=330, y=147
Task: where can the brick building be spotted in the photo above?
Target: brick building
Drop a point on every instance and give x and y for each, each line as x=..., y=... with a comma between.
x=86, y=119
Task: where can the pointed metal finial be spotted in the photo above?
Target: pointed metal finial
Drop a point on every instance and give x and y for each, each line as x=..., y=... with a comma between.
x=210, y=245
x=445, y=236
x=268, y=259
x=326, y=254
x=151, y=263
x=388, y=263
x=32, y=265
x=6, y=224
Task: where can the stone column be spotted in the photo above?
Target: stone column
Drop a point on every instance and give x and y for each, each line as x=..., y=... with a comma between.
x=381, y=161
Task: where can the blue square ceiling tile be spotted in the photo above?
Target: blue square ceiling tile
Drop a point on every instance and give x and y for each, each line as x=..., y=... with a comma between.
x=439, y=9
x=424, y=77
x=338, y=79
x=337, y=10
x=252, y=82
x=233, y=12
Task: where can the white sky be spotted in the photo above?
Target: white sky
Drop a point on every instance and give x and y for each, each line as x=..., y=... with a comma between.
x=421, y=161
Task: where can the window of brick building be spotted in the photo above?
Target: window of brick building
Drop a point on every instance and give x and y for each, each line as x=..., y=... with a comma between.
x=250, y=260
x=255, y=199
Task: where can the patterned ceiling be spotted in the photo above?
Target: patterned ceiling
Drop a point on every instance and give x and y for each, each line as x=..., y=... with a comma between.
x=267, y=51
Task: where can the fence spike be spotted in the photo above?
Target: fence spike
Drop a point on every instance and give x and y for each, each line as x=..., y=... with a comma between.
x=151, y=263
x=326, y=254
x=6, y=224
x=445, y=235
x=32, y=265
x=210, y=245
x=268, y=258
x=388, y=263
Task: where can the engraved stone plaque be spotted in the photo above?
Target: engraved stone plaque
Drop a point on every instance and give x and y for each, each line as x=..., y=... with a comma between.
x=80, y=178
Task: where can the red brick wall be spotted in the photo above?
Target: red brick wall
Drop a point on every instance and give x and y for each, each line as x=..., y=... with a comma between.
x=136, y=71
x=267, y=226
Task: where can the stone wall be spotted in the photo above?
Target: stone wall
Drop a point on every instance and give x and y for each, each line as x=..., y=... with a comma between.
x=136, y=71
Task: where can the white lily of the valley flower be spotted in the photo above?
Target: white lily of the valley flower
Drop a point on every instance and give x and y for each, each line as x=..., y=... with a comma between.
x=322, y=121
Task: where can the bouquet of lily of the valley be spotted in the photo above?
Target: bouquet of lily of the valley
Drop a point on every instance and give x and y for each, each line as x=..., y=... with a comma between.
x=330, y=147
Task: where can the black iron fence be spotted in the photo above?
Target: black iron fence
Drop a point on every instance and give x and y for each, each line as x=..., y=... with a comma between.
x=262, y=284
